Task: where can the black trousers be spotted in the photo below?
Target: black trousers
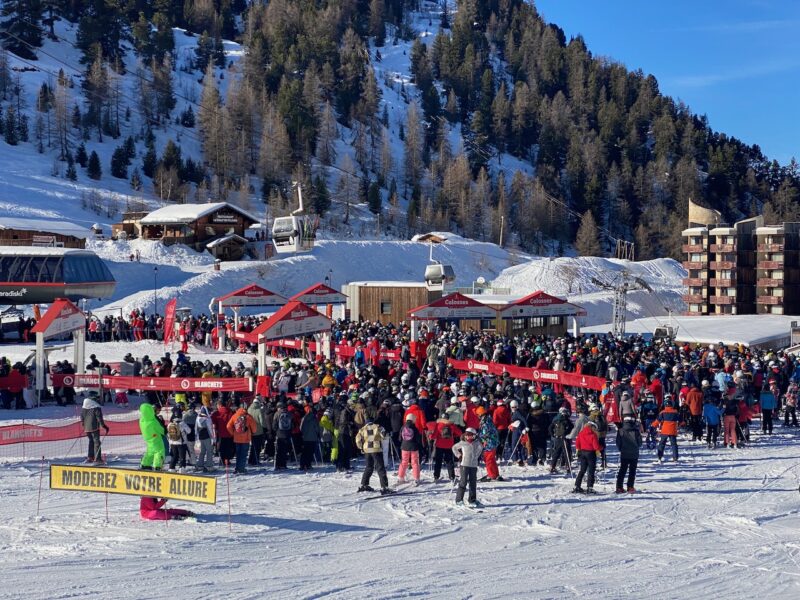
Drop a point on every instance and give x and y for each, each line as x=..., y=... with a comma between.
x=588, y=462
x=697, y=427
x=712, y=434
x=627, y=465
x=375, y=463
x=790, y=411
x=177, y=452
x=467, y=476
x=307, y=455
x=282, y=446
x=560, y=453
x=443, y=455
x=227, y=450
x=94, y=445
x=766, y=420
x=256, y=443
x=343, y=458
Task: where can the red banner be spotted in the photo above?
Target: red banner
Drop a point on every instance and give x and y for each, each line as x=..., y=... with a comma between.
x=528, y=374
x=17, y=434
x=165, y=384
x=169, y=321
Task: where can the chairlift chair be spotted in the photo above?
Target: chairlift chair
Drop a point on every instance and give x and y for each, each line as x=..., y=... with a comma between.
x=295, y=233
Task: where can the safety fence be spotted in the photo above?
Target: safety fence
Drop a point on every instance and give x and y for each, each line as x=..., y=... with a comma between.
x=65, y=438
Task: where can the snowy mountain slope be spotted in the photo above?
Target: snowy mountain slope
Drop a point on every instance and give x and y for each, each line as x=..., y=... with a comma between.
x=721, y=523
x=572, y=278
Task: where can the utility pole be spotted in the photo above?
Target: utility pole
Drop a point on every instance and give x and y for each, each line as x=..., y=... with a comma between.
x=502, y=223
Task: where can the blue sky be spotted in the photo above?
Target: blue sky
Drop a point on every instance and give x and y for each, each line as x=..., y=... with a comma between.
x=737, y=61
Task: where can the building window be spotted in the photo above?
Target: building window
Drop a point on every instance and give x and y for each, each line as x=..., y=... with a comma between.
x=694, y=308
x=730, y=291
x=487, y=324
x=556, y=320
x=537, y=322
x=518, y=324
x=695, y=257
x=724, y=274
x=386, y=307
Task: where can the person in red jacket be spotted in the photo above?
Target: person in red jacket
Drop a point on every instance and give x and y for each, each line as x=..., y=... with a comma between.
x=443, y=436
x=471, y=419
x=744, y=418
x=241, y=427
x=151, y=510
x=694, y=400
x=668, y=422
x=588, y=447
x=225, y=445
x=501, y=417
x=419, y=415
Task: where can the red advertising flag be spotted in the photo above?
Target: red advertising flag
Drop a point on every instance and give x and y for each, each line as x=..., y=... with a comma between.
x=169, y=321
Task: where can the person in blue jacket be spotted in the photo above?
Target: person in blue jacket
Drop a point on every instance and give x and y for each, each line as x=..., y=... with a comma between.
x=713, y=417
x=768, y=404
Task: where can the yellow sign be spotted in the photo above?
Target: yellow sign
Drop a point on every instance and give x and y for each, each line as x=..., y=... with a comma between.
x=80, y=478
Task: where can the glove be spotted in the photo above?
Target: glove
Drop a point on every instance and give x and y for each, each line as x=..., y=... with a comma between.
x=599, y=454
x=525, y=430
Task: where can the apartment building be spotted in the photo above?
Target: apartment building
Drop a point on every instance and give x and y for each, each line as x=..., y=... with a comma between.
x=696, y=248
x=778, y=269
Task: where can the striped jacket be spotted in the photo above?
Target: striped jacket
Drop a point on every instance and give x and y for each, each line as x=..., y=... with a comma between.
x=369, y=438
x=668, y=421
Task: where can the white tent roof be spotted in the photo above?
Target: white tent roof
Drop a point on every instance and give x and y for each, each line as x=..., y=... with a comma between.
x=45, y=226
x=226, y=238
x=187, y=213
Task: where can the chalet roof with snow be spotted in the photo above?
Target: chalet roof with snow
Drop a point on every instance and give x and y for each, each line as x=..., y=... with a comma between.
x=189, y=213
x=46, y=226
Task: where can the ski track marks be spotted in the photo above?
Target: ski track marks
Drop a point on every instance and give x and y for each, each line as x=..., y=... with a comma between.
x=720, y=522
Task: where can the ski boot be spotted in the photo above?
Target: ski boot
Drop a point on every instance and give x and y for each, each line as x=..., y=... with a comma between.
x=620, y=490
x=387, y=491
x=578, y=490
x=366, y=488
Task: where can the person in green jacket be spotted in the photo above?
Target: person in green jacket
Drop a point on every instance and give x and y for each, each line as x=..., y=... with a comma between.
x=152, y=433
x=328, y=436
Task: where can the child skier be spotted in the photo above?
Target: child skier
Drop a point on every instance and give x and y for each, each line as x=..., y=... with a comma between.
x=177, y=431
x=589, y=450
x=410, y=444
x=468, y=451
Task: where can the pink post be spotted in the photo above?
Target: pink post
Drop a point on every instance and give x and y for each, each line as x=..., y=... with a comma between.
x=228, y=482
x=39, y=497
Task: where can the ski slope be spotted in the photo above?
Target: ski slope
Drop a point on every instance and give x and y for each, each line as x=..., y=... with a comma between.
x=721, y=523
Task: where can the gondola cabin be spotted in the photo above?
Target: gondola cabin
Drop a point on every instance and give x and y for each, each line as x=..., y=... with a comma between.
x=40, y=275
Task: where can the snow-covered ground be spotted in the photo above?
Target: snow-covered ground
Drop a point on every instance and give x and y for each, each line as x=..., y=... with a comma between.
x=720, y=523
x=769, y=331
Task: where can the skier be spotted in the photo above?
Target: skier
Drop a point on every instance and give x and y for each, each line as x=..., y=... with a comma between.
x=443, y=437
x=151, y=510
x=241, y=427
x=518, y=429
x=369, y=440
x=694, y=400
x=730, y=413
x=501, y=417
x=538, y=423
x=311, y=432
x=589, y=450
x=92, y=421
x=152, y=431
x=559, y=429
x=667, y=423
x=177, y=431
x=648, y=412
x=712, y=415
x=205, y=434
x=468, y=451
x=629, y=440
x=410, y=444
x=489, y=439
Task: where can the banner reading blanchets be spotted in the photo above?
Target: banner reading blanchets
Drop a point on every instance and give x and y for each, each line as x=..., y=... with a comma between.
x=165, y=384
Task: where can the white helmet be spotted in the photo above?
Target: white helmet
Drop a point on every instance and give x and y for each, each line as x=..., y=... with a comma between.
x=475, y=400
x=514, y=404
x=453, y=401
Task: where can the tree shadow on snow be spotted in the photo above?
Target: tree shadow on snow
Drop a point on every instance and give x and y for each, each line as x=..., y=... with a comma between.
x=291, y=524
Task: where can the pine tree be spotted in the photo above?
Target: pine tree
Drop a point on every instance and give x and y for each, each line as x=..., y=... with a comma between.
x=203, y=52
x=10, y=127
x=413, y=145
x=587, y=242
x=328, y=134
x=374, y=198
x=93, y=169
x=71, y=173
x=119, y=163
x=321, y=200
x=81, y=157
x=20, y=30
x=150, y=161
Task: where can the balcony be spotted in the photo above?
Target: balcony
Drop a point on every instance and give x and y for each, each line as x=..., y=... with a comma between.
x=694, y=281
x=693, y=298
x=722, y=265
x=722, y=283
x=693, y=248
x=769, y=264
x=723, y=300
x=770, y=247
x=723, y=247
x=772, y=300
x=697, y=265
x=771, y=283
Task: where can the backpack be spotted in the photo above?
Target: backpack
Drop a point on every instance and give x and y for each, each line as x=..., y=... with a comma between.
x=240, y=425
x=285, y=422
x=174, y=432
x=360, y=417
x=446, y=433
x=559, y=428
x=407, y=433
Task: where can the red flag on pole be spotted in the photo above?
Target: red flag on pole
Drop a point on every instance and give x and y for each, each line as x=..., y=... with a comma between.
x=169, y=321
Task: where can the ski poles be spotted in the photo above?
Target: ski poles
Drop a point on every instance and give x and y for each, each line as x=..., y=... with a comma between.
x=567, y=456
x=513, y=450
